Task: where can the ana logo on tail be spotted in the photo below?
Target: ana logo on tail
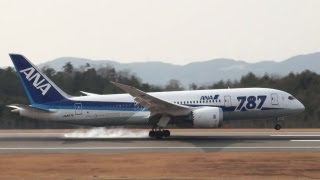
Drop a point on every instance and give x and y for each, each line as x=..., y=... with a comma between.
x=42, y=85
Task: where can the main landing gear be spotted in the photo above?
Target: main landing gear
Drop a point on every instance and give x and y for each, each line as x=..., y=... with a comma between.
x=159, y=134
x=158, y=130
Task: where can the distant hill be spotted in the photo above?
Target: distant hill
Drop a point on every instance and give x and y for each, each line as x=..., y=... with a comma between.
x=199, y=72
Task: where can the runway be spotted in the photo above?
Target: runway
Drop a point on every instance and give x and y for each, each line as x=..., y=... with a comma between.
x=194, y=140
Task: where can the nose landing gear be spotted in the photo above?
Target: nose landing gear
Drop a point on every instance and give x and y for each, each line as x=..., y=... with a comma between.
x=278, y=126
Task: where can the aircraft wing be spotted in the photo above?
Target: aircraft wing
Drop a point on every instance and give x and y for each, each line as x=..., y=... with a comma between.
x=29, y=108
x=154, y=104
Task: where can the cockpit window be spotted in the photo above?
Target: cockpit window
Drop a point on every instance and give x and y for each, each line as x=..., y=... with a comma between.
x=291, y=98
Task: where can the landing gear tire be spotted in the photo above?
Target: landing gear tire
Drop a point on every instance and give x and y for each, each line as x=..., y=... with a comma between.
x=152, y=133
x=277, y=127
x=159, y=134
x=166, y=133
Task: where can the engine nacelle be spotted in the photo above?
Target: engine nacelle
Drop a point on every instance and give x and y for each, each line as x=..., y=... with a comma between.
x=207, y=117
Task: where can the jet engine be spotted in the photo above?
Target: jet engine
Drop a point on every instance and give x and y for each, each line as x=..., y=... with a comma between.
x=207, y=117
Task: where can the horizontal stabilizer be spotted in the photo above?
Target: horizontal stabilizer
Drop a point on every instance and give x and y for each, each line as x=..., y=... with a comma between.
x=89, y=94
x=29, y=108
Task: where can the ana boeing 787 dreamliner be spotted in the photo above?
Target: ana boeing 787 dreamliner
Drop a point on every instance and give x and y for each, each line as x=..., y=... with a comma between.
x=198, y=108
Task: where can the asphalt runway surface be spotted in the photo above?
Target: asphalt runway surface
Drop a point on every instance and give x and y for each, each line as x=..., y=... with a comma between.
x=128, y=140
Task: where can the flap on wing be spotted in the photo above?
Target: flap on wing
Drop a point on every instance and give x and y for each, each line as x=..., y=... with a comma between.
x=153, y=104
x=29, y=108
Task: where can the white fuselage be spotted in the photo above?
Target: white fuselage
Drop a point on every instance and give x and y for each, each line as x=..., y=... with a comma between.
x=121, y=109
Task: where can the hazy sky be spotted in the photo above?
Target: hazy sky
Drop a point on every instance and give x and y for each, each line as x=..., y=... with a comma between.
x=176, y=31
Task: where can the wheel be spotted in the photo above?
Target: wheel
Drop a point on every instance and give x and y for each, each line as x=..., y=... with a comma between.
x=277, y=127
x=151, y=133
x=158, y=134
x=166, y=133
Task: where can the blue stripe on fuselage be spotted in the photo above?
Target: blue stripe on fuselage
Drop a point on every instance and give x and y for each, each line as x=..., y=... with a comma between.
x=91, y=105
x=113, y=106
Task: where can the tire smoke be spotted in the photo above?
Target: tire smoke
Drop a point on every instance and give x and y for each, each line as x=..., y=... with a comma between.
x=107, y=133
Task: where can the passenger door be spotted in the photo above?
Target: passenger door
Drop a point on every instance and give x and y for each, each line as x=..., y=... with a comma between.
x=227, y=101
x=78, y=108
x=274, y=99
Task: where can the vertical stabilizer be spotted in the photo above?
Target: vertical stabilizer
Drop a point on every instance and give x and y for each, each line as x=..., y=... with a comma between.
x=39, y=88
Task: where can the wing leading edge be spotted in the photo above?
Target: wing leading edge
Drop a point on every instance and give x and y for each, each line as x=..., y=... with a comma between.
x=155, y=105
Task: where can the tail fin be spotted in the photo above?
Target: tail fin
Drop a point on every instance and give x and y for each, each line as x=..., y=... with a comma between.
x=39, y=88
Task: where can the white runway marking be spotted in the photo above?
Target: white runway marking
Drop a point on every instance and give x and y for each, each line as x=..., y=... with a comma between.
x=305, y=140
x=35, y=133
x=297, y=135
x=132, y=148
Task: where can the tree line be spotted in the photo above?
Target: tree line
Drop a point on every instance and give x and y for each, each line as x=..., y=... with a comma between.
x=305, y=86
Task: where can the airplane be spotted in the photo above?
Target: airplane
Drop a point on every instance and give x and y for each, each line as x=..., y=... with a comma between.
x=196, y=108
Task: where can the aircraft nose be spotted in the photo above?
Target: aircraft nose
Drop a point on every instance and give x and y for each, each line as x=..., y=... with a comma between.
x=300, y=107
